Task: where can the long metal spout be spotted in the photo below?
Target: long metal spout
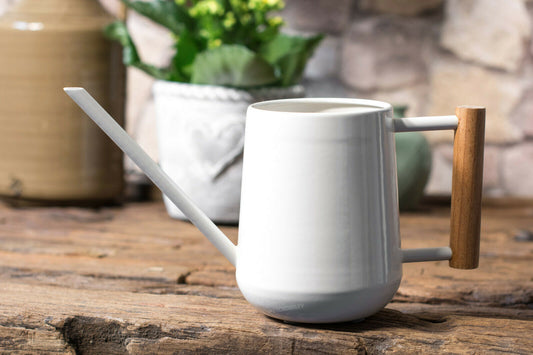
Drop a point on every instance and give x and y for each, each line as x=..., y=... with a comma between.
x=153, y=171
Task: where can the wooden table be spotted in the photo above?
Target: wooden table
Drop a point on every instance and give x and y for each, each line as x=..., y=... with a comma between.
x=132, y=280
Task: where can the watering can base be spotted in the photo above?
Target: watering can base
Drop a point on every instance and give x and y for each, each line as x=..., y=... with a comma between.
x=320, y=307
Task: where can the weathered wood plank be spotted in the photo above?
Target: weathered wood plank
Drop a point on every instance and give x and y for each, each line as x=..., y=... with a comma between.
x=140, y=232
x=132, y=280
x=20, y=340
x=95, y=266
x=116, y=322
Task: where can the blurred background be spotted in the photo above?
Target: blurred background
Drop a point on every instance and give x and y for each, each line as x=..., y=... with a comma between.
x=430, y=55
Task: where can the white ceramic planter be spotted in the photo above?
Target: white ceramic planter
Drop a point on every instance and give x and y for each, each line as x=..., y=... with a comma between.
x=200, y=132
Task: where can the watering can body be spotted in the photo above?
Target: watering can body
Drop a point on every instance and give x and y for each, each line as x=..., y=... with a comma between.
x=319, y=230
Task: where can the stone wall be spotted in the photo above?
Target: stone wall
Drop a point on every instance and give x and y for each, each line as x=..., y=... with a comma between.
x=429, y=54
x=433, y=56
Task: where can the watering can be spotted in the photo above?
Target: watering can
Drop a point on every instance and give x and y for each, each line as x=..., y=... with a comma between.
x=319, y=223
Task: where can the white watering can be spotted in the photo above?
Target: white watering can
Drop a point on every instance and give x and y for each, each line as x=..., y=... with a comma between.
x=319, y=222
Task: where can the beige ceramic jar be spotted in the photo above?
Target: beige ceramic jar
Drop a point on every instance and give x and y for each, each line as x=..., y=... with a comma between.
x=49, y=151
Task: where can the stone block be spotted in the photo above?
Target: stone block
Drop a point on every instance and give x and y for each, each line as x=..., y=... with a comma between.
x=112, y=6
x=147, y=125
x=326, y=59
x=5, y=4
x=140, y=116
x=440, y=178
x=144, y=130
x=317, y=15
x=154, y=45
x=522, y=115
x=400, y=7
x=139, y=89
x=455, y=83
x=489, y=32
x=517, y=170
x=154, y=42
x=492, y=167
x=325, y=87
x=384, y=52
x=414, y=96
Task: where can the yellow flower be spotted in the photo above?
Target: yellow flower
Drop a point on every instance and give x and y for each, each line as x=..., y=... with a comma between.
x=277, y=4
x=266, y=5
x=229, y=20
x=206, y=7
x=275, y=21
x=214, y=43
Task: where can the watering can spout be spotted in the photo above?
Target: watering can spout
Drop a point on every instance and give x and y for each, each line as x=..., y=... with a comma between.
x=153, y=171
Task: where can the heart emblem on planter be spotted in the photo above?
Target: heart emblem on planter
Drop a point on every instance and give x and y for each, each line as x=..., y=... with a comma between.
x=216, y=144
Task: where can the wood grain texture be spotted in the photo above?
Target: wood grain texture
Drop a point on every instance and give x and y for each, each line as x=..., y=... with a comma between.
x=133, y=281
x=467, y=183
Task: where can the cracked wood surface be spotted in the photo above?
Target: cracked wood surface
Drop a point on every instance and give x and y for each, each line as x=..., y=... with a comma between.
x=132, y=280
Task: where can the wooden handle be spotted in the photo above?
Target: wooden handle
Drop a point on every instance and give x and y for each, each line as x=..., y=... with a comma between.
x=467, y=182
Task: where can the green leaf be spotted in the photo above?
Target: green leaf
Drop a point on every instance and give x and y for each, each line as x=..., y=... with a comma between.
x=186, y=50
x=119, y=32
x=164, y=12
x=290, y=55
x=232, y=65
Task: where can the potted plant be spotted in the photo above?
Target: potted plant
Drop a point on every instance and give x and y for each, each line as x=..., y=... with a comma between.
x=228, y=54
